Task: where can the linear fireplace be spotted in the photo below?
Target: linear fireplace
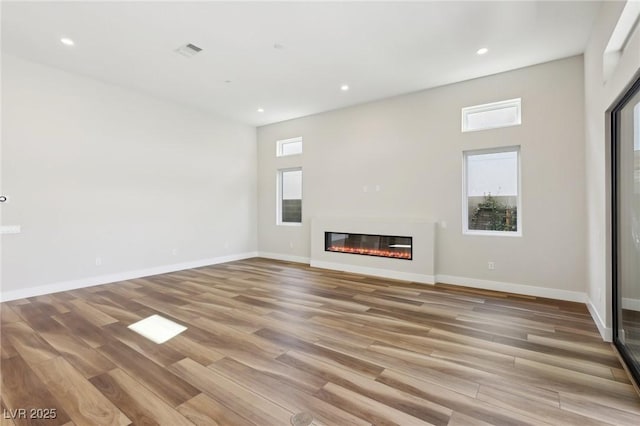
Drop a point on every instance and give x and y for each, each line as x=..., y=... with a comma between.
x=328, y=246
x=391, y=246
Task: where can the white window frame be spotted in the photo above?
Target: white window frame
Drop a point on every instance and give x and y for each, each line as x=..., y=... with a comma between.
x=279, y=221
x=619, y=39
x=493, y=106
x=280, y=144
x=465, y=198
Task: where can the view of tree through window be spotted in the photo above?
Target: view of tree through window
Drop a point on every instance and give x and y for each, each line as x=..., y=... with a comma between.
x=491, y=183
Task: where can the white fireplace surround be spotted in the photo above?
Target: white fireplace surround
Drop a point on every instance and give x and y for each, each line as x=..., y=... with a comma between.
x=419, y=269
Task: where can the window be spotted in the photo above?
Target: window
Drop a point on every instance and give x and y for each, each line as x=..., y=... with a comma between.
x=491, y=204
x=625, y=153
x=291, y=146
x=629, y=19
x=491, y=116
x=289, y=208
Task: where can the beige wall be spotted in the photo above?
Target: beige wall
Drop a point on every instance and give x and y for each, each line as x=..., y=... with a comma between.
x=411, y=147
x=93, y=170
x=599, y=97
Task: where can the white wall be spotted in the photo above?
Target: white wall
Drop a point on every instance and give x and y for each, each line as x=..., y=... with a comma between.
x=411, y=146
x=599, y=97
x=93, y=170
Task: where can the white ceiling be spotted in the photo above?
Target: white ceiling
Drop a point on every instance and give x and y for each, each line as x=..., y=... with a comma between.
x=378, y=49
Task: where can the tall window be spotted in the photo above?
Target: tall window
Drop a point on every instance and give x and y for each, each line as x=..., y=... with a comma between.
x=491, y=204
x=291, y=146
x=289, y=210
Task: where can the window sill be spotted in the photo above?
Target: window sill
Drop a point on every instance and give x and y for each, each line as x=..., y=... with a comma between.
x=289, y=223
x=493, y=233
x=499, y=126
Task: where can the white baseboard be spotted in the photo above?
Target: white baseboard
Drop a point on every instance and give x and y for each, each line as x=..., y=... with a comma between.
x=572, y=296
x=605, y=332
x=121, y=276
x=551, y=293
x=528, y=290
x=631, y=304
x=377, y=272
x=285, y=257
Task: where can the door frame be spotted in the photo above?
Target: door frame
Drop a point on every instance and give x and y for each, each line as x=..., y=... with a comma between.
x=633, y=367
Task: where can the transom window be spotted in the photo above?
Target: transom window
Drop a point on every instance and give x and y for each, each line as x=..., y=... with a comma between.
x=491, y=116
x=291, y=146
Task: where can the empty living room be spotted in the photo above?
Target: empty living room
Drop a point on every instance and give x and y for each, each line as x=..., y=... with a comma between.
x=320, y=213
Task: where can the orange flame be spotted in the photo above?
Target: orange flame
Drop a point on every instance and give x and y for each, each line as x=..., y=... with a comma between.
x=371, y=252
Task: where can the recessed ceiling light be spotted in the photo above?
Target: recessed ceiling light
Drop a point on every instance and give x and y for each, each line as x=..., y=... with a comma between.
x=278, y=46
x=260, y=109
x=344, y=87
x=188, y=50
x=227, y=81
x=482, y=51
x=67, y=41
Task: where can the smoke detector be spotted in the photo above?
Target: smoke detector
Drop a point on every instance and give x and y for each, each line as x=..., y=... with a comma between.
x=188, y=50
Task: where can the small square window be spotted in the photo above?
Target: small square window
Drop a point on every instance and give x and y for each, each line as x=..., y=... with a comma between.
x=491, y=203
x=291, y=146
x=491, y=116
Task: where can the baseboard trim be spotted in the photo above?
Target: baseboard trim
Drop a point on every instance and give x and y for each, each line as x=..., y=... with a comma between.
x=377, y=272
x=631, y=304
x=528, y=290
x=121, y=276
x=605, y=332
x=285, y=257
x=551, y=293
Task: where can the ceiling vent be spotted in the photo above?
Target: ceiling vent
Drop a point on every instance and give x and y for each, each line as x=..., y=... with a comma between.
x=188, y=50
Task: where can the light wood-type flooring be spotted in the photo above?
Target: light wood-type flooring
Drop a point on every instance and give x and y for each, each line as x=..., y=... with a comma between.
x=269, y=339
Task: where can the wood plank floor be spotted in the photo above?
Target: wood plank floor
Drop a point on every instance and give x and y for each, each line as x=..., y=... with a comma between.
x=269, y=339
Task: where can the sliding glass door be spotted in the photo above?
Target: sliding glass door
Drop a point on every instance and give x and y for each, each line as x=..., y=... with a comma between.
x=625, y=127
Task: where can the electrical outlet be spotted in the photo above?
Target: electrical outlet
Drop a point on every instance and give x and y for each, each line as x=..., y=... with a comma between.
x=174, y=251
x=98, y=261
x=443, y=224
x=290, y=244
x=491, y=266
x=226, y=244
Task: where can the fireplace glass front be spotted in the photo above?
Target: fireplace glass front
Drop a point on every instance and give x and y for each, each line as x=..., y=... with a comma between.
x=391, y=246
